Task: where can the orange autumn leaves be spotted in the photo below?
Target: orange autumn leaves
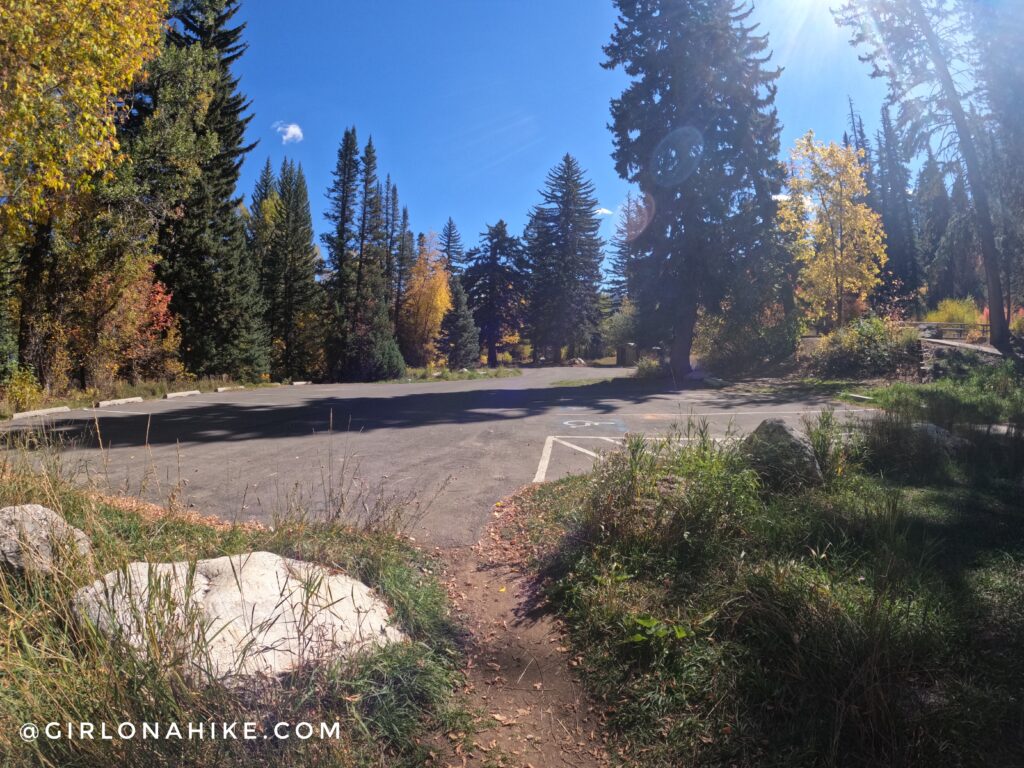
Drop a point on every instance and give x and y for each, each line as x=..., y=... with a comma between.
x=62, y=65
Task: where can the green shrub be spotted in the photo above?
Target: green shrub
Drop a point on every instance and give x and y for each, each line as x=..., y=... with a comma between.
x=720, y=623
x=620, y=328
x=733, y=343
x=867, y=347
x=22, y=390
x=649, y=368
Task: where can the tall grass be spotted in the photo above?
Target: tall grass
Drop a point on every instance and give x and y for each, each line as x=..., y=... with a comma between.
x=55, y=667
x=725, y=623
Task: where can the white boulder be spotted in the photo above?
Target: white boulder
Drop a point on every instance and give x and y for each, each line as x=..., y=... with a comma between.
x=32, y=537
x=249, y=615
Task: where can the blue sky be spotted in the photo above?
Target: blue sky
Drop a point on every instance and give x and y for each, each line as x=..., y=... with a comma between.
x=471, y=102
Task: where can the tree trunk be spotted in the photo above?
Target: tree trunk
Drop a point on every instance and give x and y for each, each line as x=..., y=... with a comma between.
x=492, y=354
x=999, y=330
x=682, y=342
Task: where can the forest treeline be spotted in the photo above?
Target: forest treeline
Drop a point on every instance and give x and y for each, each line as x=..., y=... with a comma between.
x=128, y=252
x=155, y=267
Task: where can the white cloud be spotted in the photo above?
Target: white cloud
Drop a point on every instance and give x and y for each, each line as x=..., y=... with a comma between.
x=290, y=132
x=605, y=212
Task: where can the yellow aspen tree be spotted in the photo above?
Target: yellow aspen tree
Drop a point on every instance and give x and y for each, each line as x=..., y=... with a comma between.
x=836, y=237
x=428, y=298
x=62, y=65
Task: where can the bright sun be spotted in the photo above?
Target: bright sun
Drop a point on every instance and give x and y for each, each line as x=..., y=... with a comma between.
x=799, y=29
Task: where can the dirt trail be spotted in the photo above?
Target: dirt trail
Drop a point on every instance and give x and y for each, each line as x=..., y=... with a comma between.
x=533, y=713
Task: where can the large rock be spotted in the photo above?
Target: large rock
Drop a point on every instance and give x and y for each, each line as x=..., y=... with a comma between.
x=32, y=537
x=782, y=456
x=249, y=615
x=941, y=438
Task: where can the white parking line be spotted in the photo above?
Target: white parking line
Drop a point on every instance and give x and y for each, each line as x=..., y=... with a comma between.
x=545, y=459
x=567, y=444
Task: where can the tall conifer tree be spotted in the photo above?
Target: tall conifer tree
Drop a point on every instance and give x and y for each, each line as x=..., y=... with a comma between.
x=892, y=178
x=696, y=129
x=295, y=315
x=206, y=265
x=341, y=243
x=460, y=338
x=931, y=220
x=564, y=251
x=451, y=246
x=494, y=284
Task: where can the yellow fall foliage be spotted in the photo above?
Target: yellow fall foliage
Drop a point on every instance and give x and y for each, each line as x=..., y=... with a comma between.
x=838, y=238
x=62, y=65
x=427, y=300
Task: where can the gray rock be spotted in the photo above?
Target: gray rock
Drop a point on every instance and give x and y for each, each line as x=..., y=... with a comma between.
x=246, y=616
x=782, y=456
x=941, y=438
x=32, y=537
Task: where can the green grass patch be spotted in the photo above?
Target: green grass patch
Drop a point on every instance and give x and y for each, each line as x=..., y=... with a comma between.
x=874, y=621
x=582, y=382
x=982, y=395
x=52, y=669
x=420, y=375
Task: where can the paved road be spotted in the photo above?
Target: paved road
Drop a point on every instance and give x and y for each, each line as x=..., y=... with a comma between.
x=455, y=447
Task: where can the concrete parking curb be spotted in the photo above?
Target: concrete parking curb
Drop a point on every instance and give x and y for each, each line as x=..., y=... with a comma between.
x=187, y=393
x=122, y=401
x=301, y=383
x=40, y=412
x=229, y=389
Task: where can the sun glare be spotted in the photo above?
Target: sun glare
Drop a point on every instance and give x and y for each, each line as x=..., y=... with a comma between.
x=799, y=29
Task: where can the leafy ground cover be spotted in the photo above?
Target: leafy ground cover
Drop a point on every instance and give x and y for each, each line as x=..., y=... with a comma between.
x=874, y=621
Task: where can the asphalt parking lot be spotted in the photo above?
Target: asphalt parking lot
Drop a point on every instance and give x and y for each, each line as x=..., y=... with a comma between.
x=448, y=449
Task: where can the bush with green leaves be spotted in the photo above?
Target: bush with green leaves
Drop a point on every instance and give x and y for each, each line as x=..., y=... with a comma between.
x=21, y=390
x=735, y=343
x=649, y=368
x=720, y=622
x=865, y=348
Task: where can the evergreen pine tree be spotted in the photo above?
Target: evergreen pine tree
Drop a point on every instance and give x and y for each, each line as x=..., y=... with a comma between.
x=206, y=265
x=624, y=251
x=295, y=313
x=451, y=246
x=372, y=237
x=404, y=259
x=932, y=213
x=927, y=52
x=858, y=139
x=460, y=338
x=371, y=352
x=394, y=231
x=956, y=269
x=494, y=285
x=902, y=276
x=564, y=252
x=342, y=247
x=697, y=131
